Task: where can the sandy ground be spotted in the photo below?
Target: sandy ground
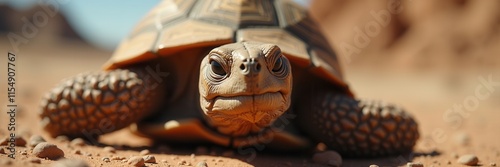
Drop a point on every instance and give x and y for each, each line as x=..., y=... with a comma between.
x=430, y=92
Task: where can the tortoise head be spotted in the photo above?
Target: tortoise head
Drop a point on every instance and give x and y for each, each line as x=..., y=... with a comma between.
x=244, y=87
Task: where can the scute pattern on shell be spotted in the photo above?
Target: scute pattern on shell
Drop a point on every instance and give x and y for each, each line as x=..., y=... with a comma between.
x=94, y=101
x=364, y=128
x=177, y=25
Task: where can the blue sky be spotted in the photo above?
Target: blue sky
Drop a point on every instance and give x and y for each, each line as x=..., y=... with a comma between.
x=103, y=23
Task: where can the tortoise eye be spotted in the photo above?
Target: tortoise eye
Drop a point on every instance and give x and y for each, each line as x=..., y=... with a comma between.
x=217, y=68
x=278, y=65
x=281, y=67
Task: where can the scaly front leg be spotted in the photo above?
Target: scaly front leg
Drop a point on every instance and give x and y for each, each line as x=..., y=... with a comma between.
x=92, y=104
x=358, y=128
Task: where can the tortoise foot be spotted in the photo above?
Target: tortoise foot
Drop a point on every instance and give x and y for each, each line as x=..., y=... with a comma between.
x=92, y=104
x=359, y=128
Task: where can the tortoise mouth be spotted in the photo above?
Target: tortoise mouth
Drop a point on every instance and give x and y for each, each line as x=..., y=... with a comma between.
x=240, y=104
x=243, y=114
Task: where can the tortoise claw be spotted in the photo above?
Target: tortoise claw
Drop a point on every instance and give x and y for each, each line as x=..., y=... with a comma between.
x=92, y=104
x=359, y=128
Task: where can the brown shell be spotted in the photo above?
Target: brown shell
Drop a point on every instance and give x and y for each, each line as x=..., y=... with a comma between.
x=176, y=25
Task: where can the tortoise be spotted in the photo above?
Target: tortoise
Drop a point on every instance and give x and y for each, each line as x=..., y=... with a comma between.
x=236, y=73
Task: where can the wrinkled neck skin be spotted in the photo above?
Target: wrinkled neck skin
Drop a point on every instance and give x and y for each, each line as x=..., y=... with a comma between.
x=244, y=87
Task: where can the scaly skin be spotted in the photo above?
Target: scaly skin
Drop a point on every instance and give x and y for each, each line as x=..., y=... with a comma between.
x=358, y=128
x=92, y=104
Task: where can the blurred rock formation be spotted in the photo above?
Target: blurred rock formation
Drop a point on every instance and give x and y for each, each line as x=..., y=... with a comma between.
x=57, y=25
x=425, y=34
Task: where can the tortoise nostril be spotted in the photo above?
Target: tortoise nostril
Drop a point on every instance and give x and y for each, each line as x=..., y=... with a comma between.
x=250, y=66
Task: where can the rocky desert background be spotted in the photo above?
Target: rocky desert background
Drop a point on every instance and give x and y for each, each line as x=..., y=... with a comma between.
x=438, y=59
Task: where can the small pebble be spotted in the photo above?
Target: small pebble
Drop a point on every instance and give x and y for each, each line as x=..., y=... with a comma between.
x=19, y=141
x=2, y=151
x=468, y=159
x=89, y=154
x=373, y=165
x=24, y=152
x=47, y=150
x=414, y=164
x=77, y=142
x=164, y=161
x=219, y=160
x=149, y=159
x=144, y=152
x=70, y=163
x=183, y=162
x=35, y=139
x=35, y=160
x=321, y=147
x=330, y=158
x=78, y=152
x=62, y=139
x=202, y=164
x=106, y=159
x=192, y=156
x=493, y=164
x=136, y=161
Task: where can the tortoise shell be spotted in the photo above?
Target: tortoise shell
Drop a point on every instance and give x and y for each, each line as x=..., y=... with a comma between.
x=177, y=25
